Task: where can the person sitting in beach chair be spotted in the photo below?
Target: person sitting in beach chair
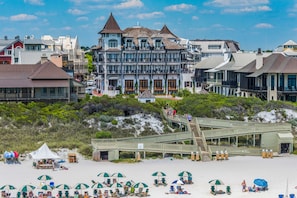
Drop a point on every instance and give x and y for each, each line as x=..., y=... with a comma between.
x=172, y=189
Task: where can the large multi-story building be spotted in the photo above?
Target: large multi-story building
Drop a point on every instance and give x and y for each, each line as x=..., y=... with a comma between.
x=138, y=59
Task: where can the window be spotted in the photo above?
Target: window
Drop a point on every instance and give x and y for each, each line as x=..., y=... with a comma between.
x=143, y=43
x=143, y=84
x=52, y=91
x=129, y=85
x=112, y=43
x=129, y=43
x=171, y=84
x=60, y=91
x=272, y=82
x=44, y=91
x=291, y=80
x=158, y=84
x=214, y=46
x=158, y=43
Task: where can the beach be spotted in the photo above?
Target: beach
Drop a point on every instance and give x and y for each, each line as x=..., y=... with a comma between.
x=280, y=173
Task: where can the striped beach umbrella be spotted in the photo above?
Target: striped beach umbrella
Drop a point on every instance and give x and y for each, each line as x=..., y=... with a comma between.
x=118, y=175
x=129, y=183
x=104, y=174
x=185, y=174
x=46, y=187
x=63, y=187
x=97, y=185
x=81, y=186
x=159, y=174
x=44, y=177
x=216, y=182
x=116, y=185
x=7, y=187
x=27, y=188
x=140, y=185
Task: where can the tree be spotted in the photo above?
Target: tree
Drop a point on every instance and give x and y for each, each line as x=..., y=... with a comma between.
x=91, y=67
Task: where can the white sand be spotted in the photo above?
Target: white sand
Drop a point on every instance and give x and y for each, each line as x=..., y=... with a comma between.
x=276, y=171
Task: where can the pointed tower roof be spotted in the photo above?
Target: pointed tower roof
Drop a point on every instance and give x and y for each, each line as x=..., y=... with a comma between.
x=165, y=30
x=111, y=26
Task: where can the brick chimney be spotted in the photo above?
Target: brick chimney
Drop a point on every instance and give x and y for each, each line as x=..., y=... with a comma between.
x=259, y=59
x=43, y=58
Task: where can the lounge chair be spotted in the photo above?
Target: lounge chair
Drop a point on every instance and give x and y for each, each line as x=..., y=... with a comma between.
x=228, y=190
x=67, y=194
x=156, y=182
x=164, y=181
x=213, y=190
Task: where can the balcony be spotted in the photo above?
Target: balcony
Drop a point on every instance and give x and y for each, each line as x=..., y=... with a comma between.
x=230, y=83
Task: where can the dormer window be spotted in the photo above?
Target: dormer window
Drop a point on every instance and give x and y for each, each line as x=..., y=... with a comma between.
x=158, y=43
x=143, y=43
x=129, y=43
x=112, y=43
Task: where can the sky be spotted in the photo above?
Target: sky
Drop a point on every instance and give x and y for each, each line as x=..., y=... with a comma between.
x=254, y=24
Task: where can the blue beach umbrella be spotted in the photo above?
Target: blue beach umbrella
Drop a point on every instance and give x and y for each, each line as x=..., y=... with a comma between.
x=261, y=182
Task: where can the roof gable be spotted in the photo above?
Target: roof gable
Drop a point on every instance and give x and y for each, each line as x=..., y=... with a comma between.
x=165, y=30
x=111, y=26
x=49, y=70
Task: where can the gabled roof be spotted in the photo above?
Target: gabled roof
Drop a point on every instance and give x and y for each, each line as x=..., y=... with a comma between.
x=111, y=26
x=48, y=70
x=165, y=30
x=146, y=94
x=210, y=62
x=275, y=63
x=290, y=42
x=32, y=75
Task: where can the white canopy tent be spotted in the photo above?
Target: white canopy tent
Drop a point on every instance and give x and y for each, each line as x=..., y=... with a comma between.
x=44, y=153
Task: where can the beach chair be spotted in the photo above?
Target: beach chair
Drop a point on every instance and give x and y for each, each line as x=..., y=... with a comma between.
x=19, y=194
x=164, y=181
x=67, y=194
x=132, y=191
x=156, y=182
x=228, y=190
x=190, y=180
x=213, y=190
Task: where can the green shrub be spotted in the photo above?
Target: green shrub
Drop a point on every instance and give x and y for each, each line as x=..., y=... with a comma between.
x=114, y=122
x=86, y=150
x=103, y=134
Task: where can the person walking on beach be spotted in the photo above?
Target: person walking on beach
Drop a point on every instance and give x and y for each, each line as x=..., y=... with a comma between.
x=243, y=184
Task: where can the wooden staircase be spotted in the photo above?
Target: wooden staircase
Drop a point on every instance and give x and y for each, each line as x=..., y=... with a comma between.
x=199, y=140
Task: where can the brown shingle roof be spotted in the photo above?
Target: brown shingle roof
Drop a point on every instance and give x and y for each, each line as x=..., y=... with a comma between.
x=111, y=26
x=165, y=30
x=36, y=75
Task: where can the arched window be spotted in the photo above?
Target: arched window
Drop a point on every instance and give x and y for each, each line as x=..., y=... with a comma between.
x=112, y=43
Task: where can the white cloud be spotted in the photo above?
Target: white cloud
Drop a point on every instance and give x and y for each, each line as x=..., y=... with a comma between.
x=126, y=4
x=236, y=3
x=76, y=11
x=263, y=26
x=195, y=18
x=147, y=15
x=247, y=9
x=23, y=17
x=180, y=7
x=66, y=28
x=35, y=2
x=241, y=6
x=83, y=18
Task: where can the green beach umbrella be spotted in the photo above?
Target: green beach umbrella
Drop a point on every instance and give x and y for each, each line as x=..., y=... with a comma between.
x=185, y=174
x=116, y=185
x=46, y=187
x=118, y=175
x=103, y=174
x=44, y=177
x=216, y=182
x=97, y=185
x=7, y=187
x=27, y=188
x=130, y=183
x=63, y=187
x=159, y=174
x=81, y=186
x=140, y=185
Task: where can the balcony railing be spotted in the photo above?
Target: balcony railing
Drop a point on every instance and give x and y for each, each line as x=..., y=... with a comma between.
x=231, y=84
